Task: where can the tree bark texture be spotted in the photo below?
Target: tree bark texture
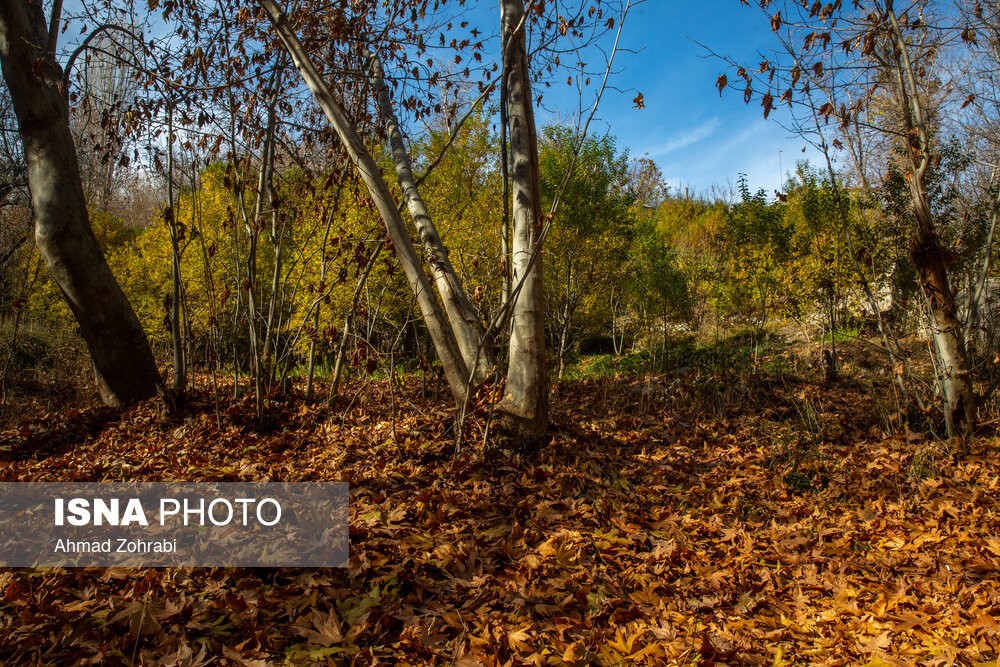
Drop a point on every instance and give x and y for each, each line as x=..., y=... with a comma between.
x=525, y=401
x=126, y=369
x=961, y=402
x=469, y=331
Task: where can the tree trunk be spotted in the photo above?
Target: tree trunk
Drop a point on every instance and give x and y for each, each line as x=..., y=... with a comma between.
x=273, y=324
x=123, y=360
x=563, y=343
x=469, y=331
x=525, y=401
x=614, y=302
x=176, y=339
x=253, y=225
x=567, y=318
x=437, y=324
x=960, y=401
x=666, y=336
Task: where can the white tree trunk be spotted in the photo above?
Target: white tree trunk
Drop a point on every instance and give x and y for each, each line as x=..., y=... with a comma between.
x=525, y=402
x=176, y=336
x=437, y=324
x=469, y=331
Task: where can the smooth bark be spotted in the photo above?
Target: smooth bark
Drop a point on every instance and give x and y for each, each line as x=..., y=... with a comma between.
x=266, y=194
x=469, y=331
x=123, y=360
x=437, y=323
x=961, y=402
x=525, y=401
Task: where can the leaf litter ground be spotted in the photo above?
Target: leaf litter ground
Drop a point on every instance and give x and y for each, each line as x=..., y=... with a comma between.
x=669, y=520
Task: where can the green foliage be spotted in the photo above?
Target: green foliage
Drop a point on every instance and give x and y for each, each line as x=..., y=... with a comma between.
x=464, y=196
x=595, y=198
x=49, y=370
x=733, y=352
x=841, y=335
x=661, y=286
x=626, y=264
x=690, y=226
x=756, y=243
x=822, y=276
x=608, y=365
x=110, y=231
x=592, y=229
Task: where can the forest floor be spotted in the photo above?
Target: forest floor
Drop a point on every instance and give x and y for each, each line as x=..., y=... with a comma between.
x=682, y=518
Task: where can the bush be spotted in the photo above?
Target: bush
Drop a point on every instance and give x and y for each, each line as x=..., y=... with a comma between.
x=49, y=369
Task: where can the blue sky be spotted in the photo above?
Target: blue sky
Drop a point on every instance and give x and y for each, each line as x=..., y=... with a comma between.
x=697, y=138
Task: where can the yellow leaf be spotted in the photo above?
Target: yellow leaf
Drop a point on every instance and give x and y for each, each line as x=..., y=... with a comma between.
x=518, y=641
x=984, y=622
x=574, y=653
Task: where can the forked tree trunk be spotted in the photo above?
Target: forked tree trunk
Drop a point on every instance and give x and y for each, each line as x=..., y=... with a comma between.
x=126, y=370
x=525, y=401
x=437, y=324
x=469, y=331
